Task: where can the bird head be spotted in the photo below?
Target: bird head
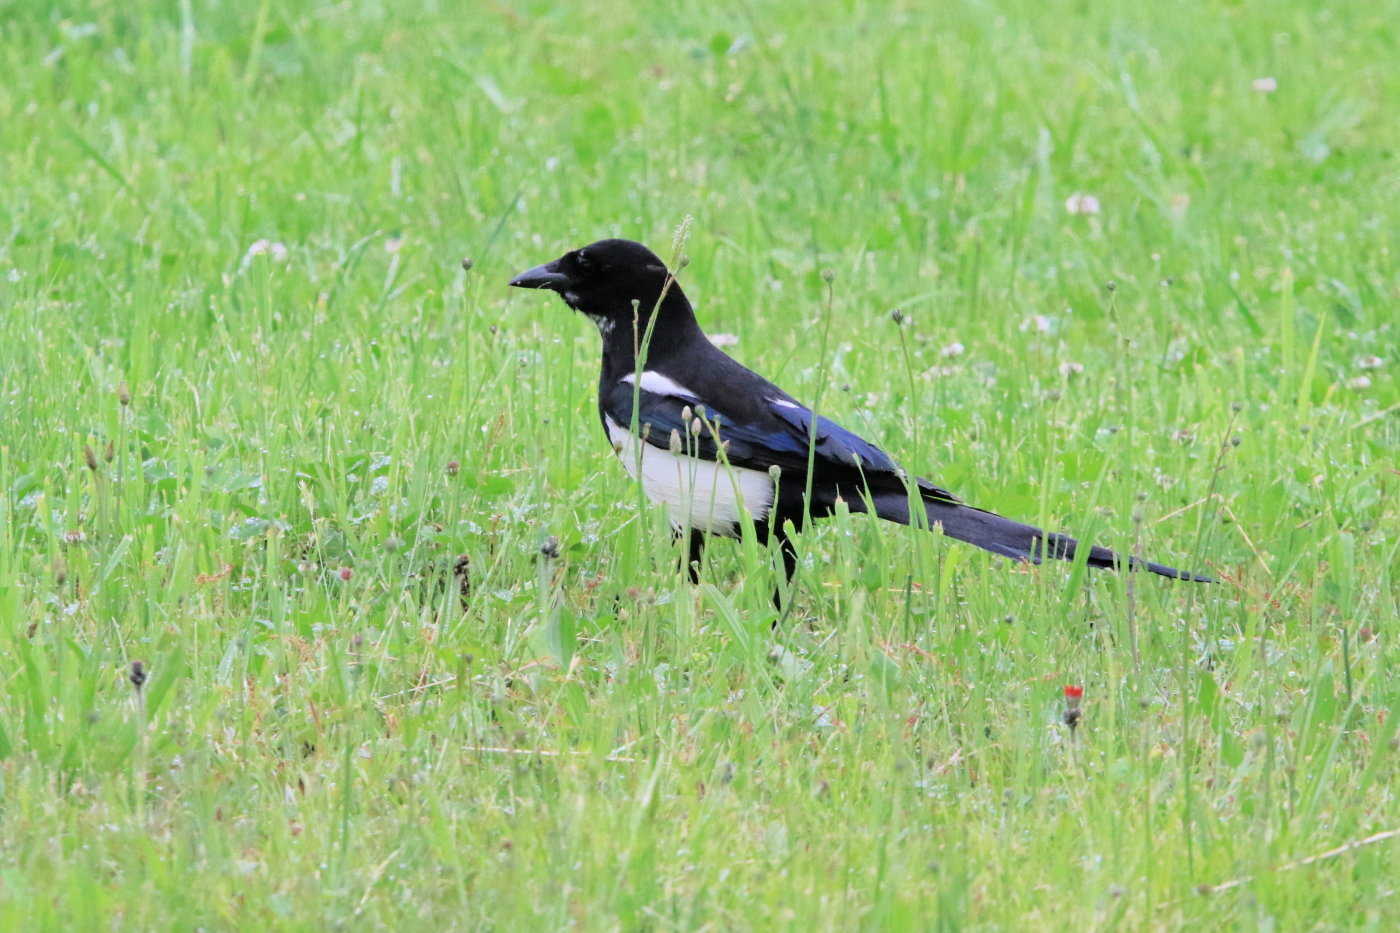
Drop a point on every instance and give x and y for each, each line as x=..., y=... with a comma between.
x=611, y=281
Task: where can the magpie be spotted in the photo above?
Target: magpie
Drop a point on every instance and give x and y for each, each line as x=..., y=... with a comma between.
x=713, y=440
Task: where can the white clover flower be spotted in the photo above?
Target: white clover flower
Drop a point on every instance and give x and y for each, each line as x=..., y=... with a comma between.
x=278, y=251
x=1082, y=204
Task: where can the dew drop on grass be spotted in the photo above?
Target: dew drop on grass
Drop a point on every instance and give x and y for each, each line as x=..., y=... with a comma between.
x=248, y=528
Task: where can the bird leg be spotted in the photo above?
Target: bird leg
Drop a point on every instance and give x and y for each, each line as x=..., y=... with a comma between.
x=789, y=552
x=690, y=562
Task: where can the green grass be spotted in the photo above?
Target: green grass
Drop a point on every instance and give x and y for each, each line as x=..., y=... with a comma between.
x=588, y=741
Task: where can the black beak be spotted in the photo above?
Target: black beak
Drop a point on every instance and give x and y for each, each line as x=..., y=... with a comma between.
x=545, y=276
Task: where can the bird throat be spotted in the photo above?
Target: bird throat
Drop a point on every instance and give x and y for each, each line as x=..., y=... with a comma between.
x=605, y=324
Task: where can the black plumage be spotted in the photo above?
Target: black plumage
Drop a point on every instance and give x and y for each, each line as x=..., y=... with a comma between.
x=717, y=437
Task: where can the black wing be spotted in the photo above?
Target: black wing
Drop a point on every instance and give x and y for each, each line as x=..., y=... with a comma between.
x=779, y=432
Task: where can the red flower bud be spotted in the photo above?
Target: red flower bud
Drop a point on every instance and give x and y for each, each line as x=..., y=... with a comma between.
x=1073, y=694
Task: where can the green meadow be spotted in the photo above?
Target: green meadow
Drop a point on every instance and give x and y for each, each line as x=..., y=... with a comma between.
x=414, y=650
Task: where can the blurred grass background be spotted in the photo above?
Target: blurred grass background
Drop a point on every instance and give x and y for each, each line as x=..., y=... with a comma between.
x=262, y=431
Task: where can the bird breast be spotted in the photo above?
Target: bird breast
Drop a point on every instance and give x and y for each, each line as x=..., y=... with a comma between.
x=700, y=494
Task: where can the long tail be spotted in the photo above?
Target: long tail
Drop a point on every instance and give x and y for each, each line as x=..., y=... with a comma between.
x=1008, y=538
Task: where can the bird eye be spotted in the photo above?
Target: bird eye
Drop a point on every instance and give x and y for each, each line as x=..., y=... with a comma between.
x=583, y=263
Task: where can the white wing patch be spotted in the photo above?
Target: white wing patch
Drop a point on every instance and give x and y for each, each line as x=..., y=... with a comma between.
x=783, y=403
x=699, y=494
x=658, y=384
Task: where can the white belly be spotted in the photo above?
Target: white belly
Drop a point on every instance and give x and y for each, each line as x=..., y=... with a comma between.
x=699, y=494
